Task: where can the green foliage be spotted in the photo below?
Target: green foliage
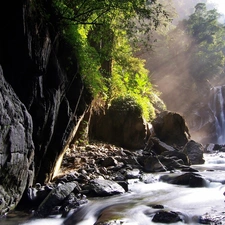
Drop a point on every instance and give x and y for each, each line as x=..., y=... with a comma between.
x=102, y=33
x=207, y=46
x=133, y=16
x=126, y=104
x=130, y=77
x=88, y=58
x=188, y=59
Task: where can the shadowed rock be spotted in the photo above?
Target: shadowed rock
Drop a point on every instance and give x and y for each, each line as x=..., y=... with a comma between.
x=16, y=148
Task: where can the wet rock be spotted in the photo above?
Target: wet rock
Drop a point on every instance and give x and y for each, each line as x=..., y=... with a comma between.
x=209, y=148
x=110, y=161
x=178, y=155
x=151, y=164
x=73, y=201
x=55, y=198
x=157, y=206
x=171, y=163
x=102, y=187
x=147, y=178
x=166, y=217
x=132, y=174
x=194, y=151
x=160, y=147
x=212, y=219
x=189, y=179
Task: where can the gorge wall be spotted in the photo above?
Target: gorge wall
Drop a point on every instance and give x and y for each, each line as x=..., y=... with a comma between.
x=41, y=101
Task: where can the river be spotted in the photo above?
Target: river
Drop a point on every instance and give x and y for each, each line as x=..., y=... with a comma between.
x=134, y=207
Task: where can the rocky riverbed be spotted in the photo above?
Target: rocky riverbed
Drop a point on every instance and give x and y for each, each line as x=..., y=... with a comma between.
x=103, y=170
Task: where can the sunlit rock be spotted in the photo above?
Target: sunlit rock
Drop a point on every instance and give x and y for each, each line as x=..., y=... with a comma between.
x=194, y=151
x=102, y=187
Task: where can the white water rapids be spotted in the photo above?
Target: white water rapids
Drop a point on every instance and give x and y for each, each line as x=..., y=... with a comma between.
x=134, y=207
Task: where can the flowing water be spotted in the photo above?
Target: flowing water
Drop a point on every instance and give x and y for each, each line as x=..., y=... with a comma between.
x=134, y=207
x=217, y=105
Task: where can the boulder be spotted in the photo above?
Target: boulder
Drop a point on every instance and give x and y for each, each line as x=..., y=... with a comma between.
x=194, y=151
x=151, y=164
x=177, y=155
x=119, y=127
x=102, y=187
x=56, y=197
x=160, y=147
x=171, y=128
x=16, y=148
x=166, y=217
x=172, y=163
x=189, y=179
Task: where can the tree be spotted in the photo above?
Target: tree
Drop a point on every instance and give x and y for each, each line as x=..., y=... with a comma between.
x=133, y=16
x=207, y=45
x=99, y=28
x=187, y=58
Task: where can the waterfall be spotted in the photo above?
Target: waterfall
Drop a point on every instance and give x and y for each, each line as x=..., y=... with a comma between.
x=217, y=105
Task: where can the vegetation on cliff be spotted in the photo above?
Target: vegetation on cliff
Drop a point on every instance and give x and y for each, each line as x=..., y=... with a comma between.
x=104, y=36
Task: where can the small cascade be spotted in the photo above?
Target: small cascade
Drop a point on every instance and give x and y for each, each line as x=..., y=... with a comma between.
x=217, y=105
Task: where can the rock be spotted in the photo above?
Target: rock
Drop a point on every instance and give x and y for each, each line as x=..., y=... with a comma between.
x=166, y=217
x=120, y=127
x=177, y=155
x=132, y=174
x=34, y=64
x=189, y=179
x=148, y=178
x=55, y=198
x=73, y=201
x=102, y=187
x=215, y=218
x=16, y=148
x=171, y=163
x=209, y=148
x=36, y=196
x=110, y=161
x=194, y=151
x=159, y=147
x=171, y=128
x=151, y=164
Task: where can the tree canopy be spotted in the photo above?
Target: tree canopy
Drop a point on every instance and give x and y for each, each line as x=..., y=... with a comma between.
x=189, y=58
x=104, y=34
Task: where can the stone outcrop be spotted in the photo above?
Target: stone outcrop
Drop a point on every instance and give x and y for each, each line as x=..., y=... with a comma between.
x=42, y=102
x=122, y=128
x=34, y=59
x=16, y=148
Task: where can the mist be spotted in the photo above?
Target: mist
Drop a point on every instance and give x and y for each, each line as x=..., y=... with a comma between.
x=188, y=59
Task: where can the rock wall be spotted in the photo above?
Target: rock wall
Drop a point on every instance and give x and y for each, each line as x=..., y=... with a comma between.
x=41, y=101
x=16, y=147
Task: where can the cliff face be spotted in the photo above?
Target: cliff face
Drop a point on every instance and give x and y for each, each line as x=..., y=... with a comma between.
x=40, y=99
